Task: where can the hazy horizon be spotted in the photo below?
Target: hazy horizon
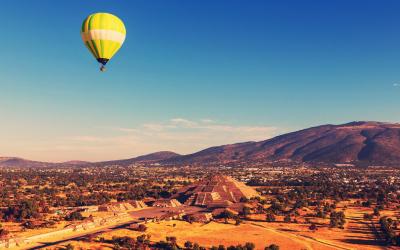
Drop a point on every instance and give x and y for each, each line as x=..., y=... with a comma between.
x=205, y=124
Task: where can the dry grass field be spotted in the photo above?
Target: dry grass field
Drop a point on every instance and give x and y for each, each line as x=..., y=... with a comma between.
x=358, y=233
x=215, y=234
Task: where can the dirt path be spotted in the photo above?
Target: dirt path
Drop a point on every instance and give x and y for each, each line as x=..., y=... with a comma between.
x=326, y=243
x=292, y=236
x=303, y=239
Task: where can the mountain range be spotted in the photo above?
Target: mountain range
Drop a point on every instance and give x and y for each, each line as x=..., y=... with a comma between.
x=359, y=143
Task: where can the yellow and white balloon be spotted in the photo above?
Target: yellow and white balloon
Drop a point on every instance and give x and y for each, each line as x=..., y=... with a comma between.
x=103, y=34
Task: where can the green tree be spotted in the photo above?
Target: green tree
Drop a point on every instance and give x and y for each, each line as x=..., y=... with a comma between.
x=368, y=216
x=226, y=215
x=313, y=227
x=74, y=216
x=238, y=221
x=249, y=246
x=376, y=211
x=337, y=219
x=246, y=211
x=270, y=217
x=272, y=247
x=3, y=232
x=188, y=245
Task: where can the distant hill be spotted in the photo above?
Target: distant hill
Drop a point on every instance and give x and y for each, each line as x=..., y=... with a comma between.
x=373, y=143
x=360, y=143
x=149, y=158
x=19, y=162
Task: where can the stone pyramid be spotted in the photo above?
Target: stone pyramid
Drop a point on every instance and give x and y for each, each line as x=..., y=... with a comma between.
x=215, y=191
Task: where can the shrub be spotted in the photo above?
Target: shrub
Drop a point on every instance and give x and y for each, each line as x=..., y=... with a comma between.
x=337, y=219
x=74, y=216
x=272, y=247
x=270, y=217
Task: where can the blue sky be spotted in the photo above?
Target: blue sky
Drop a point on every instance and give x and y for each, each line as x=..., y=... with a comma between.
x=191, y=74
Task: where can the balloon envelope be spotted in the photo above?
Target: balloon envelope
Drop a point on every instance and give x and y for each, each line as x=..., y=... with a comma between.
x=103, y=34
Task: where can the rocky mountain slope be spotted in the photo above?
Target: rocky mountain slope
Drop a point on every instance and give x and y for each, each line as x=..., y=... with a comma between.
x=356, y=142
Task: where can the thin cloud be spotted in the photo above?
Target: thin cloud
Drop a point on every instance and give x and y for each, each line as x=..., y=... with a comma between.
x=177, y=134
x=86, y=138
x=183, y=122
x=207, y=121
x=396, y=84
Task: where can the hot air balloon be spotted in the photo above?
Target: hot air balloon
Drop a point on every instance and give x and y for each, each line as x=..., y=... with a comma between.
x=103, y=34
